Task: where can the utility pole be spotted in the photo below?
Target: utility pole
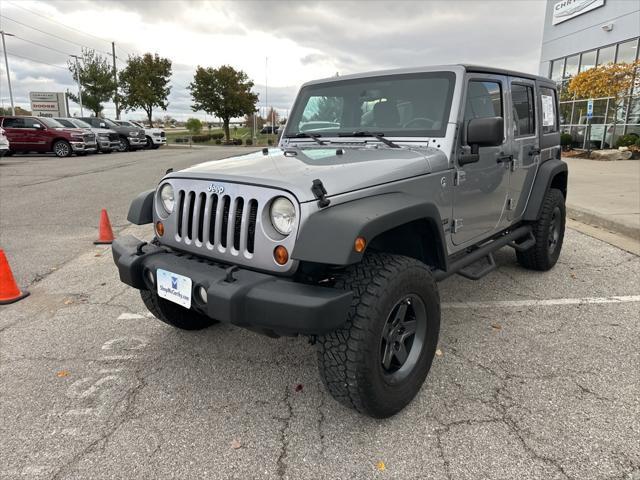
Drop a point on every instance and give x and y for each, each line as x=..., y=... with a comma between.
x=79, y=86
x=6, y=63
x=266, y=92
x=115, y=78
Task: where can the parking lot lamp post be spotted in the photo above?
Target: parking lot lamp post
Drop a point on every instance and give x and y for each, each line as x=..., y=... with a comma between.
x=6, y=63
x=79, y=86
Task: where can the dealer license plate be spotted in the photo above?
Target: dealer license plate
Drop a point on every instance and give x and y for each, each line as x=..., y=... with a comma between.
x=174, y=287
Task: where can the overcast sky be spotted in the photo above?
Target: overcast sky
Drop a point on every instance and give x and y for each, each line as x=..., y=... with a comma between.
x=302, y=40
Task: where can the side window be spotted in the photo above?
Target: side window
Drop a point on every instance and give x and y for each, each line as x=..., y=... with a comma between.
x=549, y=110
x=484, y=99
x=13, y=123
x=31, y=123
x=523, y=114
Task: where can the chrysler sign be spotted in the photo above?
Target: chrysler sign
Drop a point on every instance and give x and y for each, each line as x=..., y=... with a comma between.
x=567, y=9
x=48, y=104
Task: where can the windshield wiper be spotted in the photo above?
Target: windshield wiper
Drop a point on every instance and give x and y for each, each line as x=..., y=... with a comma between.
x=378, y=136
x=313, y=136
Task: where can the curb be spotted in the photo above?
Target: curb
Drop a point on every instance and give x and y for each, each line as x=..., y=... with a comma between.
x=596, y=219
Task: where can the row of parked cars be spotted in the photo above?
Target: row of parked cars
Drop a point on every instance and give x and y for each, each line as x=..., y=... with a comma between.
x=79, y=135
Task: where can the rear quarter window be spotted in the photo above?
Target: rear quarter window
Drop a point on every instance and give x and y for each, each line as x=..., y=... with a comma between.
x=549, y=111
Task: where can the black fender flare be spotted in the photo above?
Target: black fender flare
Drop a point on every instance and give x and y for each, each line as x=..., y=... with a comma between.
x=328, y=235
x=141, y=209
x=547, y=172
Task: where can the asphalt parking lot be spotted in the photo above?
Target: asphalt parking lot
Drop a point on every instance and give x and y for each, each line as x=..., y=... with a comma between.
x=538, y=374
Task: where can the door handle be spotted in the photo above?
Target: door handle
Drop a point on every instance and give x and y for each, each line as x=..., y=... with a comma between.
x=505, y=158
x=534, y=151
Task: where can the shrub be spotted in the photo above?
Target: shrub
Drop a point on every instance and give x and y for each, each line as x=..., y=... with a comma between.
x=237, y=141
x=200, y=138
x=218, y=141
x=216, y=136
x=269, y=142
x=248, y=142
x=565, y=139
x=626, y=140
x=638, y=142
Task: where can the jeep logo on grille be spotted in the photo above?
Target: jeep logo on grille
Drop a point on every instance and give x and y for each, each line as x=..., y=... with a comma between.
x=217, y=189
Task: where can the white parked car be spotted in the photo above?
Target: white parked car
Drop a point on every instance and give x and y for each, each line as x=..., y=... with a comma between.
x=155, y=136
x=4, y=143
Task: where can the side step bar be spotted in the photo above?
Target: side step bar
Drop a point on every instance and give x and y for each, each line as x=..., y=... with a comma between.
x=485, y=250
x=478, y=273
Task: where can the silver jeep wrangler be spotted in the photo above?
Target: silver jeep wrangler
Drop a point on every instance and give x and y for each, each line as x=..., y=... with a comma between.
x=382, y=185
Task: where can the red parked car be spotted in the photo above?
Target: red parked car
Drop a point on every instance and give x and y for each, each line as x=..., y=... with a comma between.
x=42, y=135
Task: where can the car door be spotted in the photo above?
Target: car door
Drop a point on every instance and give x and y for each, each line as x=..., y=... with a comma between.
x=36, y=134
x=525, y=144
x=481, y=187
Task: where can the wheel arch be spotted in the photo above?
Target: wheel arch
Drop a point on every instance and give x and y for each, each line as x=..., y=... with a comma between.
x=393, y=223
x=551, y=174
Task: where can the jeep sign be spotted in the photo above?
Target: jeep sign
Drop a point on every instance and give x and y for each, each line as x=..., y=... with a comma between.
x=567, y=9
x=48, y=104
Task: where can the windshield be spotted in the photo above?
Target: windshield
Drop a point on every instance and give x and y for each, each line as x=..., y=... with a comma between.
x=50, y=122
x=411, y=105
x=65, y=122
x=80, y=123
x=109, y=122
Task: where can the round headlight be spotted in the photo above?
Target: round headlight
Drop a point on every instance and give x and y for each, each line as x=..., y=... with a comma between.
x=283, y=215
x=166, y=197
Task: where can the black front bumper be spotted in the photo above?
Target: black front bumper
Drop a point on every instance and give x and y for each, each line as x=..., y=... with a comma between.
x=270, y=304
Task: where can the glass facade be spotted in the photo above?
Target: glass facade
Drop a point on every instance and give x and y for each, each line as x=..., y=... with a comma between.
x=573, y=113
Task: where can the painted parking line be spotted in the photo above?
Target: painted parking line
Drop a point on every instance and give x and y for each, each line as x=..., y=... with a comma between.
x=543, y=303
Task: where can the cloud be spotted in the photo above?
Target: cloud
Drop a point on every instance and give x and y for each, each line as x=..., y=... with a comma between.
x=302, y=40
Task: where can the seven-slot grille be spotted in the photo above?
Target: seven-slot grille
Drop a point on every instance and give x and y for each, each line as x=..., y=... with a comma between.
x=89, y=138
x=114, y=137
x=225, y=222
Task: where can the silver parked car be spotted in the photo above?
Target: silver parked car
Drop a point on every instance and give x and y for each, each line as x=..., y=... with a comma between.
x=107, y=140
x=383, y=185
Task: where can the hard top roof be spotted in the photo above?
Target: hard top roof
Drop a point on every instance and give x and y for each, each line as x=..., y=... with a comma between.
x=461, y=68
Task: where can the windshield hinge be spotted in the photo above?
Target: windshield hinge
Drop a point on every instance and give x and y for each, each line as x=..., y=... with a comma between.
x=459, y=177
x=320, y=193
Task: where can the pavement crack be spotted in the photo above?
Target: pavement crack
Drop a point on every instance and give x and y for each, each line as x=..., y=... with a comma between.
x=281, y=462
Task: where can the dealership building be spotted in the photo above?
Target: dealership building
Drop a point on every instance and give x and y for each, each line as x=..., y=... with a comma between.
x=582, y=34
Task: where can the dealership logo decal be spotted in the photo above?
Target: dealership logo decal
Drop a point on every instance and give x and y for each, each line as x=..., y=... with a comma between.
x=566, y=9
x=217, y=189
x=174, y=283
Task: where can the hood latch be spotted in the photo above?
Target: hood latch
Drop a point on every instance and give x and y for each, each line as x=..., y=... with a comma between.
x=320, y=193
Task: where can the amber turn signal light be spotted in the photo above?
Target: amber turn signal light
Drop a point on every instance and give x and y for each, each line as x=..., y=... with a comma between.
x=359, y=245
x=160, y=228
x=280, y=255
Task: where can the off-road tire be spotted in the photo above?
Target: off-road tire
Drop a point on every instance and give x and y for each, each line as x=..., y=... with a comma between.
x=544, y=254
x=173, y=314
x=349, y=358
x=62, y=148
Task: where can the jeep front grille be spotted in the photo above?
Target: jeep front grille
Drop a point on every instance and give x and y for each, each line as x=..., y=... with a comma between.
x=226, y=221
x=217, y=221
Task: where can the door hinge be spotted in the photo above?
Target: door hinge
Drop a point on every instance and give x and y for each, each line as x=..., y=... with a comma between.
x=511, y=204
x=457, y=225
x=459, y=177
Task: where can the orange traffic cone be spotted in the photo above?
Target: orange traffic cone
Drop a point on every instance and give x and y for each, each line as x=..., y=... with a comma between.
x=9, y=291
x=105, y=236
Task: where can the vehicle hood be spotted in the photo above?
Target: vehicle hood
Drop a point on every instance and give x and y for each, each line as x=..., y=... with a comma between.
x=153, y=130
x=73, y=130
x=352, y=169
x=97, y=130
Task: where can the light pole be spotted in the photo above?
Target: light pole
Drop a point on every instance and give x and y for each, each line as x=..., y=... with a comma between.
x=6, y=63
x=79, y=87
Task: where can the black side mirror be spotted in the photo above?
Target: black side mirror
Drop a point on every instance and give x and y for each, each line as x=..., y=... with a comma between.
x=482, y=132
x=485, y=132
